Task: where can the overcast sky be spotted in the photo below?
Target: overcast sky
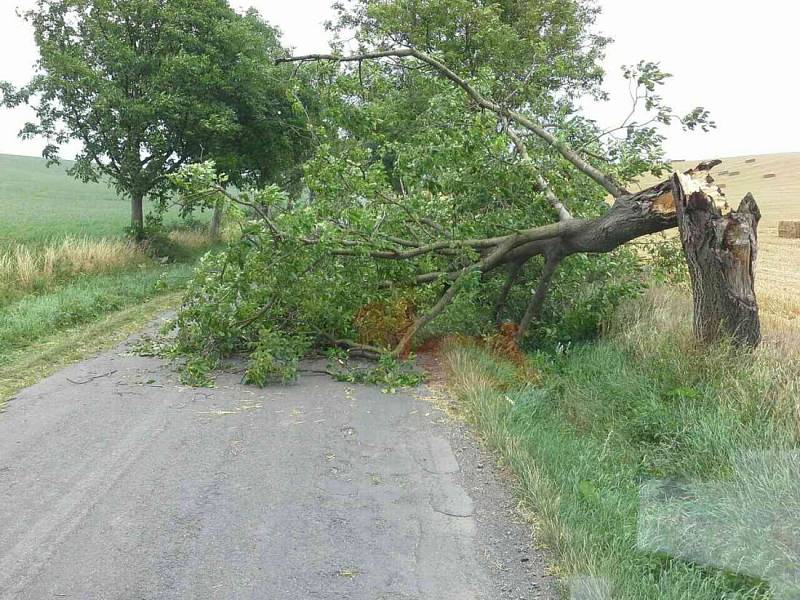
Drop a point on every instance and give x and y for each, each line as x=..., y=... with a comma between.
x=736, y=58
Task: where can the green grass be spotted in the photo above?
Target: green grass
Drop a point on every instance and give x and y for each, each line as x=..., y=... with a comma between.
x=53, y=351
x=39, y=203
x=84, y=300
x=644, y=405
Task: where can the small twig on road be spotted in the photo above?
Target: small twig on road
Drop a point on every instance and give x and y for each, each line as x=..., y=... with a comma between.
x=316, y=372
x=91, y=378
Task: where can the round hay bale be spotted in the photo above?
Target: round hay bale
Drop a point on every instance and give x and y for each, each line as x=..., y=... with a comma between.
x=789, y=229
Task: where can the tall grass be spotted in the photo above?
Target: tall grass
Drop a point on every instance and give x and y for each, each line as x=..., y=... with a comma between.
x=28, y=268
x=192, y=239
x=52, y=287
x=643, y=405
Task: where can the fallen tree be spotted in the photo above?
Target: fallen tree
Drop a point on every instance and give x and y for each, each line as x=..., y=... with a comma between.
x=721, y=248
x=454, y=179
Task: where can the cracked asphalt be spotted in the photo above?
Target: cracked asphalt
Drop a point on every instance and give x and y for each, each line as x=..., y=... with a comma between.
x=116, y=482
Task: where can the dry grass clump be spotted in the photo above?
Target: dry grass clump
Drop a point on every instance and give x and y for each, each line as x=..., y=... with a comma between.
x=26, y=268
x=193, y=239
x=384, y=324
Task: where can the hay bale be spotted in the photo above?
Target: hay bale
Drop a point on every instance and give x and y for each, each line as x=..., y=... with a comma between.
x=789, y=229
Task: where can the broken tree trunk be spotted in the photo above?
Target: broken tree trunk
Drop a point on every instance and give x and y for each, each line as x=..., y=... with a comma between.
x=721, y=248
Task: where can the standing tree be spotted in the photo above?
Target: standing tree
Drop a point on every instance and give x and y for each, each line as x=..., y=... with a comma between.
x=148, y=85
x=457, y=180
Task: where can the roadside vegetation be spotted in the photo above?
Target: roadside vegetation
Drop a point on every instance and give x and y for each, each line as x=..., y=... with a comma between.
x=26, y=268
x=53, y=293
x=83, y=300
x=585, y=427
x=58, y=348
x=66, y=267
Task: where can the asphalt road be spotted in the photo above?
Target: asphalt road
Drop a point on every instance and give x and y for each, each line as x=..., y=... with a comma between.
x=118, y=483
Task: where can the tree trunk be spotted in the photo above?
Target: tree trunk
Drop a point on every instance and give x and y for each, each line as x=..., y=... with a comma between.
x=721, y=248
x=137, y=216
x=216, y=219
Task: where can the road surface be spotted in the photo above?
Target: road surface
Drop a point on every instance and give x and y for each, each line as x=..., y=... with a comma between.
x=116, y=482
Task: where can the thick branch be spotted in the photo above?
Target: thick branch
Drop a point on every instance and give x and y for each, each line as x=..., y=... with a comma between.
x=486, y=264
x=445, y=300
x=511, y=279
x=537, y=301
x=630, y=217
x=539, y=181
x=561, y=147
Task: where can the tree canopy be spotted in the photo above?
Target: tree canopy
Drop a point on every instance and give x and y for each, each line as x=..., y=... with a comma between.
x=148, y=85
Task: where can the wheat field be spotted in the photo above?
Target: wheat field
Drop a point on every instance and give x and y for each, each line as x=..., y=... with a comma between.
x=774, y=180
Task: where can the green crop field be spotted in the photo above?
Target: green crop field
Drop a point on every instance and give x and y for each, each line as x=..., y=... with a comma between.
x=38, y=203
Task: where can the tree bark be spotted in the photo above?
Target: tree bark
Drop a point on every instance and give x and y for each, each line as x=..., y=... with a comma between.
x=216, y=219
x=137, y=215
x=721, y=247
x=630, y=217
x=511, y=279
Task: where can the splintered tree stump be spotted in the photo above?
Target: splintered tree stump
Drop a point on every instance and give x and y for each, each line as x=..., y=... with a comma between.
x=721, y=247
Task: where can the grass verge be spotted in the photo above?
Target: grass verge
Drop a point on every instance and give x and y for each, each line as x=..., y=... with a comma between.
x=85, y=300
x=24, y=367
x=641, y=407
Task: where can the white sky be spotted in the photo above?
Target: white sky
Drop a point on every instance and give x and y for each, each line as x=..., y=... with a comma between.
x=735, y=57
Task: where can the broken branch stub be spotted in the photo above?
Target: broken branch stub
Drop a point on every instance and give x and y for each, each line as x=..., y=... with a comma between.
x=721, y=247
